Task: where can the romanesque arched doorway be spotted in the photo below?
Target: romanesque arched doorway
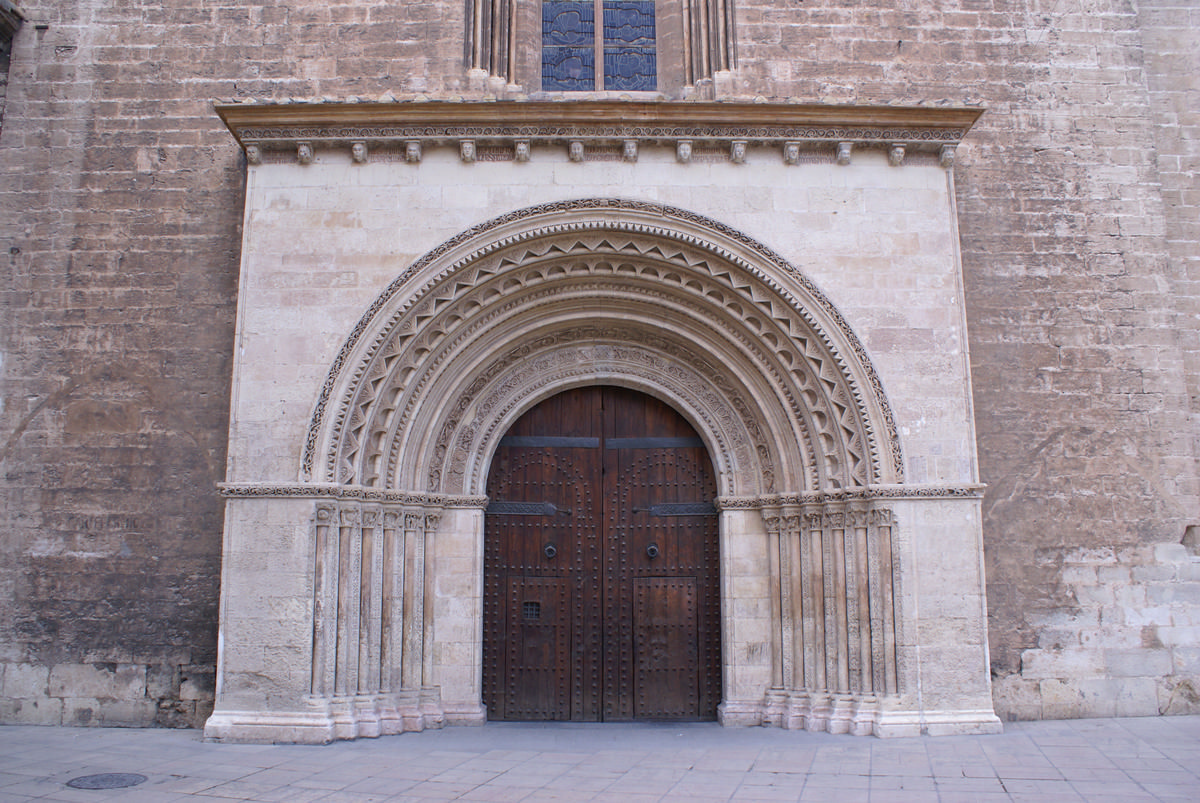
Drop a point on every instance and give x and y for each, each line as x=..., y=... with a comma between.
x=601, y=595
x=828, y=554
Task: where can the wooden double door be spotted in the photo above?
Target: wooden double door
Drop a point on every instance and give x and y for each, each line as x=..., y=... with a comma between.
x=601, y=596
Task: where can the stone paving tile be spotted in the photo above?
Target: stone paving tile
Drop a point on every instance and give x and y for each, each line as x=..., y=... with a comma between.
x=813, y=795
x=1170, y=791
x=292, y=794
x=827, y=781
x=1066, y=761
x=1050, y=789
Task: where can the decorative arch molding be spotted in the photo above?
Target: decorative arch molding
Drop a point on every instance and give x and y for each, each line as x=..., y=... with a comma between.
x=763, y=362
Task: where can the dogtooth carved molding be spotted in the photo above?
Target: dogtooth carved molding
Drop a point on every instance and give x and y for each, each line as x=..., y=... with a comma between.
x=706, y=298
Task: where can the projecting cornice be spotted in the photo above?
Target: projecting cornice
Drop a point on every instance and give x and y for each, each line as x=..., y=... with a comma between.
x=584, y=126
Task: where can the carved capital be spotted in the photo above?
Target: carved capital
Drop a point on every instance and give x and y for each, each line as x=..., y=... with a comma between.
x=350, y=515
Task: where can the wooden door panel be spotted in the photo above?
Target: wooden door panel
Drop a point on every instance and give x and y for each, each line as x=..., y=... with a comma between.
x=537, y=681
x=619, y=487
x=665, y=648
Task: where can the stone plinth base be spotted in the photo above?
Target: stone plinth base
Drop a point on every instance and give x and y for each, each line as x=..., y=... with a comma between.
x=857, y=715
x=337, y=718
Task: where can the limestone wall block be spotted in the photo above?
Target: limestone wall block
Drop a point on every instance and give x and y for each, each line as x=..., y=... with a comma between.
x=1076, y=575
x=162, y=680
x=126, y=713
x=101, y=681
x=1094, y=595
x=1184, y=636
x=197, y=684
x=1179, y=694
x=1113, y=574
x=1146, y=616
x=26, y=681
x=1185, y=659
x=1155, y=573
x=1137, y=663
x=1183, y=594
x=1111, y=637
x=1172, y=553
x=43, y=711
x=1039, y=664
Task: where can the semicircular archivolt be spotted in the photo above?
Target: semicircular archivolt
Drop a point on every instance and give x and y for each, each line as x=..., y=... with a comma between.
x=576, y=269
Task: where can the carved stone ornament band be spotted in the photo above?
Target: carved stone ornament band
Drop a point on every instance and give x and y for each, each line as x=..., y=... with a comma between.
x=300, y=128
x=304, y=490
x=889, y=492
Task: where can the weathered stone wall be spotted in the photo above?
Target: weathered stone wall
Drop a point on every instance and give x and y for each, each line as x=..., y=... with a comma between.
x=120, y=204
x=1128, y=645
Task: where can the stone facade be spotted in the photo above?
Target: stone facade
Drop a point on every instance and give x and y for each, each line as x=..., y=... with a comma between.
x=122, y=199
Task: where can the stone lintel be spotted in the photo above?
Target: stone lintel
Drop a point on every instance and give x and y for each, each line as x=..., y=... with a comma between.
x=728, y=126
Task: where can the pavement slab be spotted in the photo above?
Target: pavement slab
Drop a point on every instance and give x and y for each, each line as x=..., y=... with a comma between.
x=1092, y=761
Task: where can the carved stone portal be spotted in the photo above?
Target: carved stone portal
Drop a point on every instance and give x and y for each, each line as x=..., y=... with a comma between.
x=375, y=554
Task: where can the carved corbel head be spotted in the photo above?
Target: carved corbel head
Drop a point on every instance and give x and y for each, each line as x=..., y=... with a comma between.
x=683, y=151
x=791, y=153
x=896, y=154
x=412, y=151
x=304, y=153
x=843, y=152
x=466, y=150
x=253, y=155
x=575, y=150
x=629, y=150
x=358, y=152
x=946, y=157
x=737, y=151
x=521, y=150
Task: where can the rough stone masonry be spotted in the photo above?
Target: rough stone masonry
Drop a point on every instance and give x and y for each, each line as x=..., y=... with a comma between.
x=120, y=203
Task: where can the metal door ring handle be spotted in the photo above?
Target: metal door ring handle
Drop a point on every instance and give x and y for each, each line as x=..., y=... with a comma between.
x=550, y=550
x=652, y=551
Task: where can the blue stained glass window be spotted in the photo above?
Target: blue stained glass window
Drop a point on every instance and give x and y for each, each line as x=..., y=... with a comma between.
x=629, y=23
x=628, y=68
x=629, y=57
x=568, y=45
x=627, y=41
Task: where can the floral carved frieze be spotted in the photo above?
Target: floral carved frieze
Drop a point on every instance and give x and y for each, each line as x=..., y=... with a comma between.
x=516, y=125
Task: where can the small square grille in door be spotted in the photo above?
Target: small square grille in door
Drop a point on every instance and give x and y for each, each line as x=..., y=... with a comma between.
x=531, y=611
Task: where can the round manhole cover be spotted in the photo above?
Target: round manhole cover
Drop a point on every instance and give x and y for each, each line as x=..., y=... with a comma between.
x=107, y=780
